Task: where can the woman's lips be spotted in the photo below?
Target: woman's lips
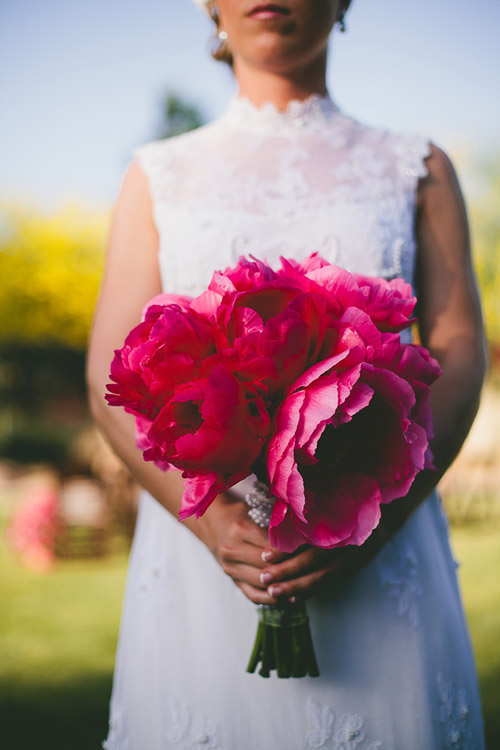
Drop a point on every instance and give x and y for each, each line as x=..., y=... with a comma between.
x=263, y=12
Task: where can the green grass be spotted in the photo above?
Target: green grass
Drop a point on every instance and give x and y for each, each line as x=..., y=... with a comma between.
x=58, y=637
x=477, y=547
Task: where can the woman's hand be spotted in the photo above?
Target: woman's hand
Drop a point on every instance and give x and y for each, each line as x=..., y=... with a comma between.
x=311, y=570
x=237, y=543
x=266, y=575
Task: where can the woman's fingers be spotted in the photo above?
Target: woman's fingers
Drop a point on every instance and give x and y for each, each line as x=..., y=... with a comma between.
x=304, y=574
x=244, y=553
x=257, y=596
x=249, y=581
x=242, y=573
x=330, y=578
x=302, y=587
x=273, y=555
x=241, y=543
x=300, y=564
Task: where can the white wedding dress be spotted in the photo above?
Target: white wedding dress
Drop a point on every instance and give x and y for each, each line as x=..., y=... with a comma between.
x=396, y=666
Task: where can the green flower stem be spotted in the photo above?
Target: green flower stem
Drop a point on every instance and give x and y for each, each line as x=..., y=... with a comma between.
x=283, y=642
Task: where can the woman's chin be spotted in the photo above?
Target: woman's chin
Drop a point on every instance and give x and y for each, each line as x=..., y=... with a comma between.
x=274, y=54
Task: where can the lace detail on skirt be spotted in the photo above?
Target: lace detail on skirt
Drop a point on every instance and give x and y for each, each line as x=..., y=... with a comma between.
x=348, y=733
x=454, y=714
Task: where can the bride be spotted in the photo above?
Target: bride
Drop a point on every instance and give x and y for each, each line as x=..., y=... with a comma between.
x=284, y=172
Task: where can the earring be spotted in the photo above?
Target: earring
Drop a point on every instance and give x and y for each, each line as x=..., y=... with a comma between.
x=219, y=43
x=341, y=22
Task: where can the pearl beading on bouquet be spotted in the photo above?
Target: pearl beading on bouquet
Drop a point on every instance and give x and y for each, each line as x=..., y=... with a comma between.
x=261, y=503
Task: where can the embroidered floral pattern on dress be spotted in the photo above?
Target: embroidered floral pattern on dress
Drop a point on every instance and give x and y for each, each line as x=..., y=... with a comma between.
x=399, y=574
x=187, y=733
x=117, y=739
x=348, y=733
x=455, y=716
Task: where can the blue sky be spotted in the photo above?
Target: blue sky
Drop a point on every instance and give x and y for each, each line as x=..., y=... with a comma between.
x=81, y=83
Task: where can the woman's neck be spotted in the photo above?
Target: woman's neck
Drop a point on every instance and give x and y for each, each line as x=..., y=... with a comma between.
x=261, y=86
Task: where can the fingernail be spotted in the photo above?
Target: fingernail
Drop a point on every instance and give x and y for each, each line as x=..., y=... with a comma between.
x=275, y=590
x=267, y=555
x=265, y=578
x=292, y=599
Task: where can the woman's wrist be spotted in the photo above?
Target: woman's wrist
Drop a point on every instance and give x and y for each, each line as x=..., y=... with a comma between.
x=207, y=527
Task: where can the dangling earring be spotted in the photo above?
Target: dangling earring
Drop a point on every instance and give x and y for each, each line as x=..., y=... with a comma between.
x=341, y=22
x=219, y=41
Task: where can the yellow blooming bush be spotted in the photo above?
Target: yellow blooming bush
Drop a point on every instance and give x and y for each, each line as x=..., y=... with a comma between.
x=50, y=266
x=50, y=270
x=485, y=225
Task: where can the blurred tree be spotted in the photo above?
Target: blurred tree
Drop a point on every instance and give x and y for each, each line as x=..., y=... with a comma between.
x=485, y=226
x=179, y=116
x=50, y=266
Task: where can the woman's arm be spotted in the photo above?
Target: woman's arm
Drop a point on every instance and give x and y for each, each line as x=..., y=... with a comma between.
x=450, y=324
x=131, y=279
x=450, y=320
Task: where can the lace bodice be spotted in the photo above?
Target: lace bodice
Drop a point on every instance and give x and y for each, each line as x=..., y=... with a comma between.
x=270, y=183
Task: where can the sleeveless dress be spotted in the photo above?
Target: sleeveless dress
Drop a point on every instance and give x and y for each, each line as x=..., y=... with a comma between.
x=396, y=666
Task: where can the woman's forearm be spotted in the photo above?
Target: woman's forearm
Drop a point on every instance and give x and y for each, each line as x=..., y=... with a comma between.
x=455, y=400
x=226, y=529
x=450, y=322
x=119, y=429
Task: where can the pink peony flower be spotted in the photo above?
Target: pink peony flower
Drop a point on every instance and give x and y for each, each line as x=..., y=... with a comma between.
x=167, y=349
x=301, y=368
x=213, y=427
x=246, y=275
x=389, y=303
x=348, y=438
x=277, y=325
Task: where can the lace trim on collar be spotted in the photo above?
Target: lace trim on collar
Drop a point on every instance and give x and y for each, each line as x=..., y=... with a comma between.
x=309, y=114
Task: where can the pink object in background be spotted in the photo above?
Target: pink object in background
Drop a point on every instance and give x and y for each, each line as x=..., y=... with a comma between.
x=34, y=528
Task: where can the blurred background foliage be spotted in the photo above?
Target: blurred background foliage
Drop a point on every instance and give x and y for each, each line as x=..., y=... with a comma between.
x=50, y=265
x=485, y=226
x=179, y=116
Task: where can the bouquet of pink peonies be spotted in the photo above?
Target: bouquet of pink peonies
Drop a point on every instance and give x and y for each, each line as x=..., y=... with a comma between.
x=298, y=376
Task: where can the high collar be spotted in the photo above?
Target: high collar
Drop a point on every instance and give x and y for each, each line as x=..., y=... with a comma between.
x=300, y=116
